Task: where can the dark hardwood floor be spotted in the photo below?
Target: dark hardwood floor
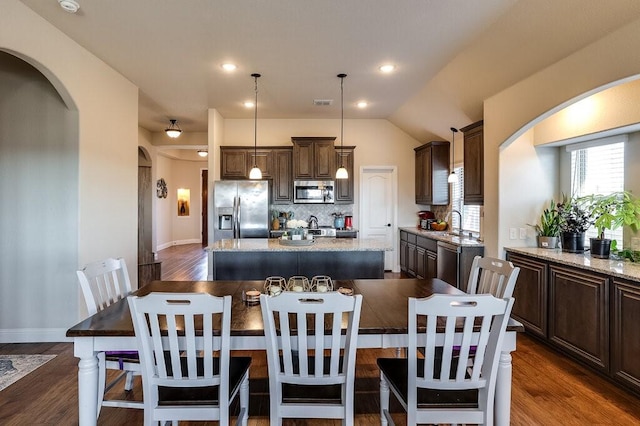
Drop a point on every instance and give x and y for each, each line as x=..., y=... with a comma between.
x=548, y=388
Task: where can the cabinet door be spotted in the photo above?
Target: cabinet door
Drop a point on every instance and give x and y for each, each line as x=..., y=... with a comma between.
x=530, y=307
x=404, y=253
x=421, y=263
x=324, y=157
x=282, y=191
x=438, y=175
x=411, y=259
x=579, y=314
x=344, y=187
x=303, y=160
x=474, y=164
x=420, y=178
x=432, y=265
x=263, y=159
x=625, y=333
x=233, y=163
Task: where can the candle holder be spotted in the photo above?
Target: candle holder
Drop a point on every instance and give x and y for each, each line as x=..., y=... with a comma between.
x=273, y=286
x=298, y=283
x=321, y=283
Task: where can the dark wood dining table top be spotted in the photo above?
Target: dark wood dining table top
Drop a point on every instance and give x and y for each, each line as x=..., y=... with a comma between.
x=384, y=305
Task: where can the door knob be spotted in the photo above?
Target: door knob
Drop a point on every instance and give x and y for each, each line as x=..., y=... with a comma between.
x=389, y=225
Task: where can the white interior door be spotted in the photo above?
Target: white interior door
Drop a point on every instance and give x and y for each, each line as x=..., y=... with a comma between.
x=379, y=209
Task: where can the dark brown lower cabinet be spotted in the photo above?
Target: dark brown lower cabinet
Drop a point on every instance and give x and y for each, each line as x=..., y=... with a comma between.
x=418, y=255
x=592, y=316
x=530, y=307
x=625, y=333
x=579, y=314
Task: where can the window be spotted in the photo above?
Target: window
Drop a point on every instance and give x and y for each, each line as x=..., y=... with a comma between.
x=470, y=214
x=597, y=167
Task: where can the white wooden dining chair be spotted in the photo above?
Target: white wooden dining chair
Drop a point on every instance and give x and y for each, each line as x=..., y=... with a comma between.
x=104, y=283
x=447, y=385
x=187, y=370
x=311, y=363
x=492, y=275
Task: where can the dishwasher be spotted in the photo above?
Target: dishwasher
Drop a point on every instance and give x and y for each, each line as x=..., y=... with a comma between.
x=448, y=261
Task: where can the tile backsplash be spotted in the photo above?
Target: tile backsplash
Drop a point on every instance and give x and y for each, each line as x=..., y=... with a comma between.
x=321, y=211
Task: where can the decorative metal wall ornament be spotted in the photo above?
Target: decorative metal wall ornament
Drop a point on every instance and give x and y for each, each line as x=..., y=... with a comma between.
x=161, y=188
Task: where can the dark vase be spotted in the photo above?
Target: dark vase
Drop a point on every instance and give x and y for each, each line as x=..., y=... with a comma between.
x=600, y=248
x=573, y=242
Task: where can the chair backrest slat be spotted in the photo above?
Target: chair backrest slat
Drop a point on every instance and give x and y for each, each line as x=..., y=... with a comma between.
x=455, y=324
x=491, y=275
x=166, y=325
x=319, y=321
x=104, y=283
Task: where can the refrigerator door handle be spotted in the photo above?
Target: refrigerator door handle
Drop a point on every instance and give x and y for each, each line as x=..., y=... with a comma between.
x=234, y=218
x=238, y=213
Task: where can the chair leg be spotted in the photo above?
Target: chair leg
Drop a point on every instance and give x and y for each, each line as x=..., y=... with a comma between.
x=102, y=379
x=128, y=384
x=384, y=399
x=244, y=400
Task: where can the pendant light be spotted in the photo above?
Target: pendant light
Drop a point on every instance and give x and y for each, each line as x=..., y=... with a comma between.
x=173, y=131
x=342, y=173
x=255, y=172
x=452, y=177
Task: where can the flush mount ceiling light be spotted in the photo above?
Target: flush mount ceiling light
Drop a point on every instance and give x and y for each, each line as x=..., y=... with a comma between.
x=203, y=152
x=255, y=172
x=173, y=131
x=249, y=104
x=362, y=104
x=70, y=6
x=229, y=67
x=453, y=178
x=342, y=173
x=387, y=68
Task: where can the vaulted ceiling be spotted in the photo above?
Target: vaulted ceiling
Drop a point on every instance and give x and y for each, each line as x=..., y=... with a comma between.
x=449, y=55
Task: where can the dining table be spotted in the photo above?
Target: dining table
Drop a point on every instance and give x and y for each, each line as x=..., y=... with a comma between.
x=383, y=324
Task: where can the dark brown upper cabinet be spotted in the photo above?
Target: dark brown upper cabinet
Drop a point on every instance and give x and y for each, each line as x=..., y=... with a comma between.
x=313, y=158
x=474, y=163
x=432, y=171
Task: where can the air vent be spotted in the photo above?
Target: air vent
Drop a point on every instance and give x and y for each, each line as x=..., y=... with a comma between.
x=322, y=102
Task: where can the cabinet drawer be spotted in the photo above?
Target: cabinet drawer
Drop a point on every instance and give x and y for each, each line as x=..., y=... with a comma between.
x=411, y=238
x=427, y=243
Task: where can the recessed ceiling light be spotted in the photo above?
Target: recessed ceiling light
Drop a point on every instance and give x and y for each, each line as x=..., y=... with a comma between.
x=387, y=68
x=249, y=104
x=362, y=104
x=229, y=67
x=70, y=6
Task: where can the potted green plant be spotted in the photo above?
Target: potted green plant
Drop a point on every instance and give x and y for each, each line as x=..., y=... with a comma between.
x=575, y=219
x=548, y=227
x=610, y=212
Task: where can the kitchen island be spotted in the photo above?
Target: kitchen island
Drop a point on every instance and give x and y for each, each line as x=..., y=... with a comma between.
x=258, y=258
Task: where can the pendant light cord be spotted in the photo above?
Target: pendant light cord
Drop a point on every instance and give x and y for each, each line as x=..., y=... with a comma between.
x=255, y=121
x=342, y=76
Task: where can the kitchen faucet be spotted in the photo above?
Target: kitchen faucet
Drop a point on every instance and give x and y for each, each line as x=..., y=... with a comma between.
x=449, y=214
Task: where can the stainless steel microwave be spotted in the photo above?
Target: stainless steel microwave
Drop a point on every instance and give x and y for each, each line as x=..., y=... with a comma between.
x=313, y=191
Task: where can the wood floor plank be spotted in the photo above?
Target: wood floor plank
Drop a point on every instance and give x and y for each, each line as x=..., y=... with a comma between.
x=548, y=388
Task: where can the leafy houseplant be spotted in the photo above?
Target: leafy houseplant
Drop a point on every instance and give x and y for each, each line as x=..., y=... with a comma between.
x=610, y=212
x=575, y=219
x=548, y=227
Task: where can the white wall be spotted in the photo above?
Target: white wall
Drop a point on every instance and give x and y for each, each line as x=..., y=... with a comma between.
x=106, y=167
x=171, y=229
x=510, y=113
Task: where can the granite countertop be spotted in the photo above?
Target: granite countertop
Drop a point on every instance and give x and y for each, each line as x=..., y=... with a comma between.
x=613, y=267
x=445, y=236
x=319, y=244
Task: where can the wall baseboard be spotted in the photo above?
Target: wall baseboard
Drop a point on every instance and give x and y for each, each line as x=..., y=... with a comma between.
x=34, y=335
x=178, y=243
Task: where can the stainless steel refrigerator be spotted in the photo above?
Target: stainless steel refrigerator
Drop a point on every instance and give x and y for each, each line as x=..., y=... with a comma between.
x=241, y=209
